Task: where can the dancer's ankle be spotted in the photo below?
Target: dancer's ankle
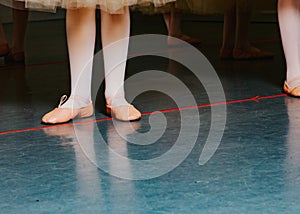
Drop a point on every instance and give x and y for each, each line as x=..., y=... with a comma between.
x=75, y=101
x=116, y=101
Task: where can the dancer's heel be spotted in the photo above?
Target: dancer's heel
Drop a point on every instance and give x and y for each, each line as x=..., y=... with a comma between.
x=63, y=115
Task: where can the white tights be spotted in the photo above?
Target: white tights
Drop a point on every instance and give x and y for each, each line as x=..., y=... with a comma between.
x=289, y=21
x=81, y=33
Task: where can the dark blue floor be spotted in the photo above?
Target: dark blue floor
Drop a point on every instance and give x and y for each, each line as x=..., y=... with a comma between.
x=68, y=168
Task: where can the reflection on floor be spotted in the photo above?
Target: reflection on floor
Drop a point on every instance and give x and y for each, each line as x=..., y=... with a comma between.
x=99, y=165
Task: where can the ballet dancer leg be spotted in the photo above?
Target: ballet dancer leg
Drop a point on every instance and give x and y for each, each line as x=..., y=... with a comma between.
x=229, y=27
x=173, y=24
x=4, y=49
x=81, y=30
x=16, y=55
x=115, y=39
x=289, y=22
x=242, y=48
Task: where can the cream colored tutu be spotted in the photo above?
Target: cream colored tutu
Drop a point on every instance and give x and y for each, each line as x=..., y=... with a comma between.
x=111, y=6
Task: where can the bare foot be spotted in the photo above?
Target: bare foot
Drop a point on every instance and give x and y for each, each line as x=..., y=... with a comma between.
x=251, y=53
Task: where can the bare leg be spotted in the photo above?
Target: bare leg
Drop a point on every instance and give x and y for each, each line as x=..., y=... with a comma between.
x=20, y=18
x=229, y=30
x=173, y=24
x=2, y=35
x=16, y=55
x=243, y=16
x=242, y=47
x=236, y=30
x=3, y=42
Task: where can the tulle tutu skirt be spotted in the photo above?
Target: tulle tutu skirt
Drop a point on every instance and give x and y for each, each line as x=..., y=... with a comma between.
x=111, y=6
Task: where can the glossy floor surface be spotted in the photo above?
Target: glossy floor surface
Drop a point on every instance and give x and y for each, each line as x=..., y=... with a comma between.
x=98, y=165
